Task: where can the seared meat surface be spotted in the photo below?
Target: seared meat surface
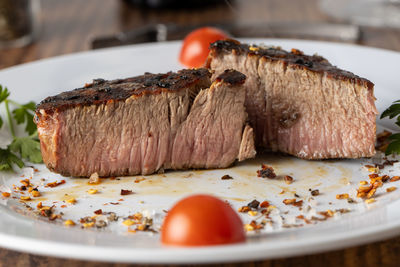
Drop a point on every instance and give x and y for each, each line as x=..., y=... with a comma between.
x=146, y=124
x=299, y=104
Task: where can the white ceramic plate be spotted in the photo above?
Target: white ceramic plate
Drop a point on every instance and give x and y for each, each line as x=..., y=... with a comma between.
x=21, y=231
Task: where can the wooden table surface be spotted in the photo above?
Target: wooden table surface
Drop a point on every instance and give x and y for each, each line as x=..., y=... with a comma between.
x=68, y=26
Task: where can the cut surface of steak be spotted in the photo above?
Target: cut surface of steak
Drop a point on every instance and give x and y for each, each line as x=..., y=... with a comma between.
x=301, y=105
x=146, y=124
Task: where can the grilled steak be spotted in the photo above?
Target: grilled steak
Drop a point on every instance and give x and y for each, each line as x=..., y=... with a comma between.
x=299, y=104
x=146, y=124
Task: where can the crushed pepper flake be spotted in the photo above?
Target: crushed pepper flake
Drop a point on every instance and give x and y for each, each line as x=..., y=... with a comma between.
x=252, y=212
x=71, y=200
x=289, y=201
x=55, y=184
x=244, y=209
x=293, y=202
x=136, y=216
x=253, y=204
x=385, y=178
x=126, y=192
x=48, y=211
x=258, y=225
x=264, y=204
x=373, y=169
x=92, y=191
x=342, y=196
x=373, y=175
x=128, y=222
x=69, y=223
x=327, y=213
x=394, y=178
x=391, y=189
x=365, y=188
x=351, y=201
x=377, y=184
x=5, y=194
x=370, y=200
x=301, y=217
x=35, y=193
x=139, y=179
x=361, y=194
x=315, y=192
x=371, y=193
x=288, y=179
x=25, y=198
x=112, y=216
x=314, y=218
x=98, y=212
x=53, y=216
x=141, y=227
x=226, y=177
x=248, y=227
x=100, y=224
x=363, y=191
x=377, y=179
x=343, y=210
x=253, y=48
x=25, y=182
x=266, y=172
x=88, y=225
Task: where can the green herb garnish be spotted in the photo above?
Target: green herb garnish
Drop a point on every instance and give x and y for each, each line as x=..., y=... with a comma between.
x=21, y=147
x=392, y=112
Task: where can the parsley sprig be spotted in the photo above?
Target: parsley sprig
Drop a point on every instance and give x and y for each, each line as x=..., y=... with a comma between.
x=392, y=112
x=22, y=147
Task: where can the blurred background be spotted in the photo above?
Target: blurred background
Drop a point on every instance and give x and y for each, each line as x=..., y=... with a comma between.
x=36, y=29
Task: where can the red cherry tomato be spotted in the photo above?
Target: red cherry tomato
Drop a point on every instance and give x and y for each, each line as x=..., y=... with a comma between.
x=202, y=220
x=196, y=46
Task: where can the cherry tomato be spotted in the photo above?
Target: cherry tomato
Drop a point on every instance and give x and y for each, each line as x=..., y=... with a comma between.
x=196, y=46
x=202, y=220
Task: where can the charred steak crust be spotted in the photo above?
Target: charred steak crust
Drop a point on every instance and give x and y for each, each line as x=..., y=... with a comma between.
x=101, y=91
x=295, y=58
x=233, y=77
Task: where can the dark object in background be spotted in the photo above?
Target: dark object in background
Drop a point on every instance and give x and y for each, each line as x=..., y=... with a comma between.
x=16, y=22
x=166, y=32
x=173, y=3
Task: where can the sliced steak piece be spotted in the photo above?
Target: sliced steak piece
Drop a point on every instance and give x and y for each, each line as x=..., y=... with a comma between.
x=299, y=104
x=146, y=124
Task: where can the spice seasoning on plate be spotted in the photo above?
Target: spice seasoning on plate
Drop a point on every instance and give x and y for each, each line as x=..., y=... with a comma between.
x=266, y=172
